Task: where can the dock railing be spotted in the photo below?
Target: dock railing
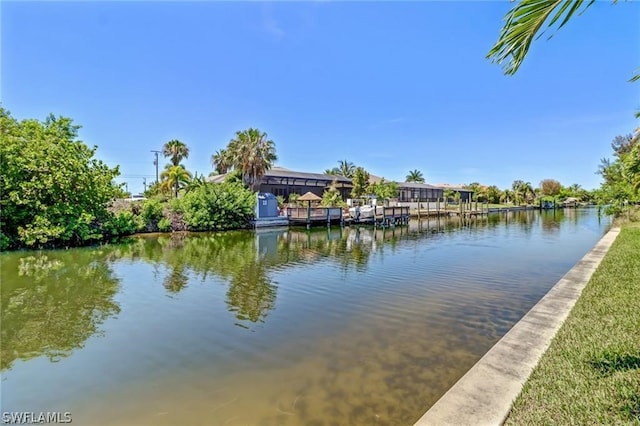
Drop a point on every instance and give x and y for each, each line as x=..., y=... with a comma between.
x=306, y=215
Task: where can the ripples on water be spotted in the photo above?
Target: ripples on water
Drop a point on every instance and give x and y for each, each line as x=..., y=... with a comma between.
x=352, y=326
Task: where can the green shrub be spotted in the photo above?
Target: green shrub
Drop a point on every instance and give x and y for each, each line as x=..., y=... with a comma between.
x=227, y=205
x=123, y=223
x=164, y=225
x=5, y=242
x=53, y=191
x=151, y=212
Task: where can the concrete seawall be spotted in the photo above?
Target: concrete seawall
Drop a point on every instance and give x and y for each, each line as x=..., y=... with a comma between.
x=484, y=395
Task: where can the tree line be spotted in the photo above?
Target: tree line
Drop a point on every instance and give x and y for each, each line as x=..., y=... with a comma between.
x=55, y=193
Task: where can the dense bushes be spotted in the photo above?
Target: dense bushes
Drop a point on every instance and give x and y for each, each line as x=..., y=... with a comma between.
x=228, y=205
x=210, y=207
x=52, y=191
x=122, y=223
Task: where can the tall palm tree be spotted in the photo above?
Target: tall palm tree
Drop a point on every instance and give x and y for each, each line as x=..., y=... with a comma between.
x=415, y=176
x=252, y=153
x=176, y=151
x=174, y=178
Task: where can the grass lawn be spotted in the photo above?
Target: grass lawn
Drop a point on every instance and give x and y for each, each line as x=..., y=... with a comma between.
x=591, y=372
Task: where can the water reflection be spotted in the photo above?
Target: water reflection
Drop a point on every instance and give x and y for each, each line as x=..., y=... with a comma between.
x=53, y=302
x=551, y=220
x=284, y=326
x=245, y=260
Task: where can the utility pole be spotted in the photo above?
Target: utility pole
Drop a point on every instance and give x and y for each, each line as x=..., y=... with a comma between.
x=155, y=162
x=144, y=182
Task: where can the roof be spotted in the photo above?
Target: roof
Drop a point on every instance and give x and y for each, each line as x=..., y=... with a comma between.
x=217, y=178
x=280, y=175
x=309, y=196
x=416, y=185
x=281, y=172
x=291, y=177
x=452, y=187
x=374, y=178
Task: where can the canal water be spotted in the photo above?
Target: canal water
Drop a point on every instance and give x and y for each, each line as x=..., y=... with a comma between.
x=280, y=327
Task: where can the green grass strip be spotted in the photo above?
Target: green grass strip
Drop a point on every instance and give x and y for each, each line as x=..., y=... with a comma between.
x=590, y=375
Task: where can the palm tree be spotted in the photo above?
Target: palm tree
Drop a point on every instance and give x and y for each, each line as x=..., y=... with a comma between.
x=575, y=187
x=345, y=168
x=196, y=183
x=506, y=196
x=525, y=22
x=174, y=178
x=527, y=192
x=415, y=176
x=220, y=161
x=476, y=188
x=522, y=190
x=253, y=154
x=516, y=187
x=176, y=151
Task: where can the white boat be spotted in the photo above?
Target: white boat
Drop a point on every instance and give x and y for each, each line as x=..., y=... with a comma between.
x=365, y=212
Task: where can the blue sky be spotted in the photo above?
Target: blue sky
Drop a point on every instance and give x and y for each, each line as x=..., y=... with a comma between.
x=390, y=86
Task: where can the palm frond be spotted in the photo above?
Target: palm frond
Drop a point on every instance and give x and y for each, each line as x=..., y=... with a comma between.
x=524, y=23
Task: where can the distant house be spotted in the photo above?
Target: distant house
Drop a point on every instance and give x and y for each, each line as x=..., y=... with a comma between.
x=571, y=202
x=281, y=181
x=414, y=191
x=465, y=193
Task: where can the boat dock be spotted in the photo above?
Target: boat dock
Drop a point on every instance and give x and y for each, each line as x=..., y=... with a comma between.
x=385, y=216
x=311, y=216
x=460, y=210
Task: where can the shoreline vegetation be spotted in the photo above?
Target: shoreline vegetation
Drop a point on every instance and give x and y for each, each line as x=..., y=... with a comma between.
x=54, y=193
x=590, y=374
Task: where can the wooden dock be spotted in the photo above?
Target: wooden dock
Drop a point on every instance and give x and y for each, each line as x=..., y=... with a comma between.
x=390, y=216
x=472, y=209
x=311, y=216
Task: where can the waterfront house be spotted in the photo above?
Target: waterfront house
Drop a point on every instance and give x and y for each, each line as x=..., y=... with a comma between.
x=281, y=181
